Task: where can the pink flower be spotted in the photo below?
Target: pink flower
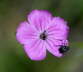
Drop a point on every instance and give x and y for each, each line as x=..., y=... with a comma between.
x=42, y=32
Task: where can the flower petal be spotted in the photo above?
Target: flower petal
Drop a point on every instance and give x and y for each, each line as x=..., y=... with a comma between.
x=53, y=48
x=36, y=50
x=58, y=28
x=39, y=18
x=25, y=32
x=65, y=42
x=59, y=42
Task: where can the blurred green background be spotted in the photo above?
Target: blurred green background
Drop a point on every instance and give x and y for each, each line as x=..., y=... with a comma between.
x=12, y=55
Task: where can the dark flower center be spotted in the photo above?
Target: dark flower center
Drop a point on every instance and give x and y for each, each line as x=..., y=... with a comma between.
x=43, y=36
x=63, y=49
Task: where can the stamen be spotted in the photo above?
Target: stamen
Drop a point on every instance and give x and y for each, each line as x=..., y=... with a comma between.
x=43, y=36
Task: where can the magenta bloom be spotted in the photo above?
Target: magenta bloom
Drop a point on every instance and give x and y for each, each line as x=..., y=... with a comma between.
x=42, y=32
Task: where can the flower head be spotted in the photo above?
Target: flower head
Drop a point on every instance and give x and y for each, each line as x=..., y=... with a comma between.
x=42, y=32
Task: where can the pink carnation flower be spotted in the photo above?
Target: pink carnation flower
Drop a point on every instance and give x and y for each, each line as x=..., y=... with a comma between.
x=42, y=32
